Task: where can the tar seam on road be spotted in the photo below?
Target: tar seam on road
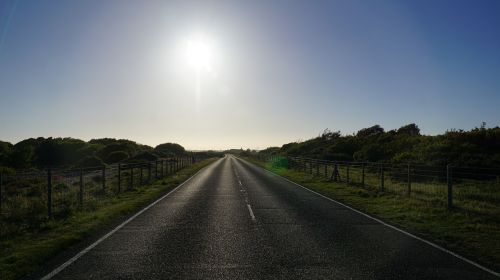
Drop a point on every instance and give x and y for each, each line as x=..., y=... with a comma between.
x=86, y=250
x=395, y=228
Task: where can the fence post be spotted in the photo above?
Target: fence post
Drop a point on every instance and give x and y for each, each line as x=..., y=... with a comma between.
x=409, y=180
x=131, y=177
x=347, y=173
x=310, y=168
x=335, y=173
x=156, y=169
x=1, y=184
x=326, y=170
x=363, y=174
x=381, y=177
x=119, y=177
x=149, y=171
x=140, y=174
x=80, y=195
x=49, y=193
x=104, y=179
x=449, y=179
x=317, y=168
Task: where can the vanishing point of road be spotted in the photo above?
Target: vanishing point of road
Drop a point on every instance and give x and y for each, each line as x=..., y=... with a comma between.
x=234, y=220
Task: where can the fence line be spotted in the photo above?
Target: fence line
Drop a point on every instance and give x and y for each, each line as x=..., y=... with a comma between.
x=35, y=196
x=470, y=188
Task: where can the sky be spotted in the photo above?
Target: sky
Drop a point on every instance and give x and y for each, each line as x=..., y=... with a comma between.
x=262, y=73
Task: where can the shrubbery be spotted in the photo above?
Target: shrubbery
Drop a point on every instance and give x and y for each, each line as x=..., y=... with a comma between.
x=66, y=152
x=477, y=147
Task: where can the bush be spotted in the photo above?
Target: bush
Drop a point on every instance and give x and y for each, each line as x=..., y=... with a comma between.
x=170, y=148
x=144, y=157
x=91, y=161
x=117, y=156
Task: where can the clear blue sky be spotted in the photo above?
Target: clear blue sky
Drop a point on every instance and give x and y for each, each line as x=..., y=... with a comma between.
x=280, y=71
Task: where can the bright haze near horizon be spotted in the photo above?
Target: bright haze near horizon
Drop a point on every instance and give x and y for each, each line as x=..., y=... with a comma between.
x=251, y=74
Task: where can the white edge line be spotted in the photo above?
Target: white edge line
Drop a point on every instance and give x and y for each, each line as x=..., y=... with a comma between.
x=398, y=229
x=393, y=227
x=86, y=250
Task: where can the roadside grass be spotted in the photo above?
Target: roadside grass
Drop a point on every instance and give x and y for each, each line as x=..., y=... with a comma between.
x=25, y=253
x=472, y=234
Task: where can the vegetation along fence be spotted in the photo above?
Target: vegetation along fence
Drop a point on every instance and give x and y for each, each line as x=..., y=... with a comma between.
x=472, y=189
x=31, y=197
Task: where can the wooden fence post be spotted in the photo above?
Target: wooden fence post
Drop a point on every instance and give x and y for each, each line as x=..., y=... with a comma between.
x=449, y=179
x=336, y=172
x=119, y=177
x=1, y=184
x=140, y=174
x=363, y=174
x=131, y=184
x=80, y=194
x=156, y=169
x=381, y=177
x=49, y=193
x=409, y=181
x=326, y=170
x=347, y=173
x=104, y=180
x=149, y=171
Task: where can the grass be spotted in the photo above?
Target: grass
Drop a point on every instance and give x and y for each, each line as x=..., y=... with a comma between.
x=27, y=251
x=469, y=230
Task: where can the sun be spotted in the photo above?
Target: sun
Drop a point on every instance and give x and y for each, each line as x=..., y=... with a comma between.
x=199, y=53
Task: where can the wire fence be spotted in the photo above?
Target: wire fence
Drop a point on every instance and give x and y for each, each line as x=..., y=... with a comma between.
x=29, y=198
x=472, y=189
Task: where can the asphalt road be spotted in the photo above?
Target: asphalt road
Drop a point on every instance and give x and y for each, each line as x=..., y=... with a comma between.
x=237, y=221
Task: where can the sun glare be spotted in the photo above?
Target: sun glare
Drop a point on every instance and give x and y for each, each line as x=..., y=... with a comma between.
x=199, y=53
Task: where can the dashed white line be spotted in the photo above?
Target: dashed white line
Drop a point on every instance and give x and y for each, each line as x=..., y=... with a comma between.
x=245, y=195
x=251, y=212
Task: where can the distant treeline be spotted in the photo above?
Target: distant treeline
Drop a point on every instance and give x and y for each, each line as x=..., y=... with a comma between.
x=478, y=147
x=67, y=152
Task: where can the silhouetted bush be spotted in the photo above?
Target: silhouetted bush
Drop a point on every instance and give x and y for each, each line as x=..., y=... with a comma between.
x=477, y=147
x=91, y=161
x=170, y=149
x=143, y=157
x=117, y=156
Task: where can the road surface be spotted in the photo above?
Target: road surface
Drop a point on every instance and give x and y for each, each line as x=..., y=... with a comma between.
x=234, y=220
